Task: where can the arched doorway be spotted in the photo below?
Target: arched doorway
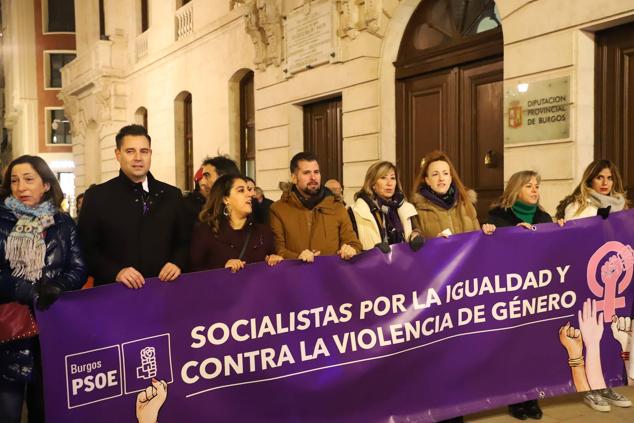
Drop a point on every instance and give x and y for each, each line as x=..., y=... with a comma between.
x=449, y=93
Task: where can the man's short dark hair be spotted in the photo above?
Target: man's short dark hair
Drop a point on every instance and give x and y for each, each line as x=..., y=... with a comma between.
x=132, y=130
x=223, y=164
x=306, y=156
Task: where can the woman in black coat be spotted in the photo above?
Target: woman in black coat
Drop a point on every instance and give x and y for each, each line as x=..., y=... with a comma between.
x=519, y=206
x=39, y=258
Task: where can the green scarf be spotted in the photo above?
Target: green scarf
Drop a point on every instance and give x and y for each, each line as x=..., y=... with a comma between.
x=524, y=212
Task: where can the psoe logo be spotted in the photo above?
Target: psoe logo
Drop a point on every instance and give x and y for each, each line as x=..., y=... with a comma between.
x=609, y=274
x=144, y=359
x=147, y=369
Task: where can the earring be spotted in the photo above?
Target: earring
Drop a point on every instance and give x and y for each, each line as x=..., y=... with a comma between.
x=227, y=210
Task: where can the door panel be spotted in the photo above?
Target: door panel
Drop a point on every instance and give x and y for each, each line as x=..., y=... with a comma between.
x=459, y=111
x=483, y=133
x=323, y=136
x=614, y=100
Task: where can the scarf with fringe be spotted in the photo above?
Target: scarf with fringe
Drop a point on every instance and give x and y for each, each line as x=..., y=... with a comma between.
x=25, y=247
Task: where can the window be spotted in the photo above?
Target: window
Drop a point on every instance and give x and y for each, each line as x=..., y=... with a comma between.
x=102, y=22
x=181, y=3
x=247, y=126
x=145, y=18
x=56, y=62
x=140, y=117
x=61, y=16
x=59, y=127
x=184, y=141
x=446, y=22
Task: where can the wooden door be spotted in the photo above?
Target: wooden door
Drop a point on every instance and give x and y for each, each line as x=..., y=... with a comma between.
x=614, y=100
x=247, y=126
x=482, y=132
x=323, y=136
x=459, y=111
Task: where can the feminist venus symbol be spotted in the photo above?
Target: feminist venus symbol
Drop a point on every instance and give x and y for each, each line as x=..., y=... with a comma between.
x=619, y=264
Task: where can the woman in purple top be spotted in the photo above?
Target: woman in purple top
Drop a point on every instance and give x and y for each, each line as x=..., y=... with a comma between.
x=225, y=236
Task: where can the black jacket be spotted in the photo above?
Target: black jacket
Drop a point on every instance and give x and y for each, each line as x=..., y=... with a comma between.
x=64, y=265
x=194, y=202
x=505, y=217
x=116, y=234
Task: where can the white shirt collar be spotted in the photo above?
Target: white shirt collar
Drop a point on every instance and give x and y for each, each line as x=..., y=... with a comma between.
x=145, y=185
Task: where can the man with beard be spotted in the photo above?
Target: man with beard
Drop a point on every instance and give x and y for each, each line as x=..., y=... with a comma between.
x=309, y=220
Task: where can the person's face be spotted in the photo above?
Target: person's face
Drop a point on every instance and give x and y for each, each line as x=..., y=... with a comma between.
x=603, y=182
x=334, y=186
x=529, y=193
x=27, y=185
x=259, y=195
x=80, y=201
x=438, y=176
x=239, y=199
x=209, y=177
x=307, y=177
x=385, y=186
x=134, y=157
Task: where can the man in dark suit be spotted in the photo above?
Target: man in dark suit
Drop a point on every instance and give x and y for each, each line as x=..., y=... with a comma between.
x=133, y=227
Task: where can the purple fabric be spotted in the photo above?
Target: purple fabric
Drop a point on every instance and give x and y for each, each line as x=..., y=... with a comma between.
x=112, y=333
x=446, y=201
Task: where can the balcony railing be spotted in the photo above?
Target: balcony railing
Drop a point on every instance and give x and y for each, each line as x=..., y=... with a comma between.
x=185, y=21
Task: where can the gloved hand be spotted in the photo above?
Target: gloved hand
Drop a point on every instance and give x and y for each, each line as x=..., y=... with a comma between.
x=384, y=247
x=25, y=292
x=416, y=242
x=48, y=293
x=604, y=212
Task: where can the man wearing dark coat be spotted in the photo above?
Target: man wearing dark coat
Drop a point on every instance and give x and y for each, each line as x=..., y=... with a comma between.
x=133, y=226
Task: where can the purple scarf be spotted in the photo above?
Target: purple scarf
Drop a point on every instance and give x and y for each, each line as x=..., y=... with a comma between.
x=445, y=201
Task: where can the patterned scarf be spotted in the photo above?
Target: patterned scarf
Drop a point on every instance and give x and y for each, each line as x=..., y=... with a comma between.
x=25, y=247
x=393, y=226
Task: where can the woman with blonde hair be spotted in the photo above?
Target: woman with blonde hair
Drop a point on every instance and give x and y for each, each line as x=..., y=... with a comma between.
x=519, y=206
x=600, y=191
x=444, y=204
x=381, y=212
x=519, y=203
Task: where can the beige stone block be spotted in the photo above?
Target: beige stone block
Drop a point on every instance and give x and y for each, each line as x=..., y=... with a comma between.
x=269, y=179
x=275, y=158
x=271, y=117
x=360, y=96
x=553, y=161
x=548, y=52
x=364, y=44
x=541, y=17
x=389, y=7
x=363, y=148
x=354, y=173
x=327, y=79
x=271, y=138
x=361, y=122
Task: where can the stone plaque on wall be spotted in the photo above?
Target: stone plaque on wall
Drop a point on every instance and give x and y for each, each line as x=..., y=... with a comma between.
x=537, y=111
x=309, y=36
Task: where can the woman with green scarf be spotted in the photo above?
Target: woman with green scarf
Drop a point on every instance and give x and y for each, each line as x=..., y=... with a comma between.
x=39, y=258
x=519, y=206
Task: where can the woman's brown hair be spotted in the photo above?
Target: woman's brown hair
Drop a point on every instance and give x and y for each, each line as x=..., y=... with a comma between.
x=436, y=156
x=213, y=210
x=54, y=194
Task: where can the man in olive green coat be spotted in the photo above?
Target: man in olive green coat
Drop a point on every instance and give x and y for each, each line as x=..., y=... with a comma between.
x=309, y=220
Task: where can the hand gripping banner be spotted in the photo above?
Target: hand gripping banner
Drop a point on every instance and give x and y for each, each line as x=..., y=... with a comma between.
x=465, y=324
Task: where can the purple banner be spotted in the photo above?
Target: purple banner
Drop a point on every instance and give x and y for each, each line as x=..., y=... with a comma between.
x=465, y=324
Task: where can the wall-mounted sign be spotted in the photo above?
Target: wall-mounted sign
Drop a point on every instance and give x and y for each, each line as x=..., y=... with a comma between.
x=537, y=111
x=309, y=36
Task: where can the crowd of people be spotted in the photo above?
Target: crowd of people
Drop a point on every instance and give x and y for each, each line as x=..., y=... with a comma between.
x=135, y=227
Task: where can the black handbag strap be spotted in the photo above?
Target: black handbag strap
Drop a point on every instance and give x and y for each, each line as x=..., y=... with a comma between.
x=246, y=242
